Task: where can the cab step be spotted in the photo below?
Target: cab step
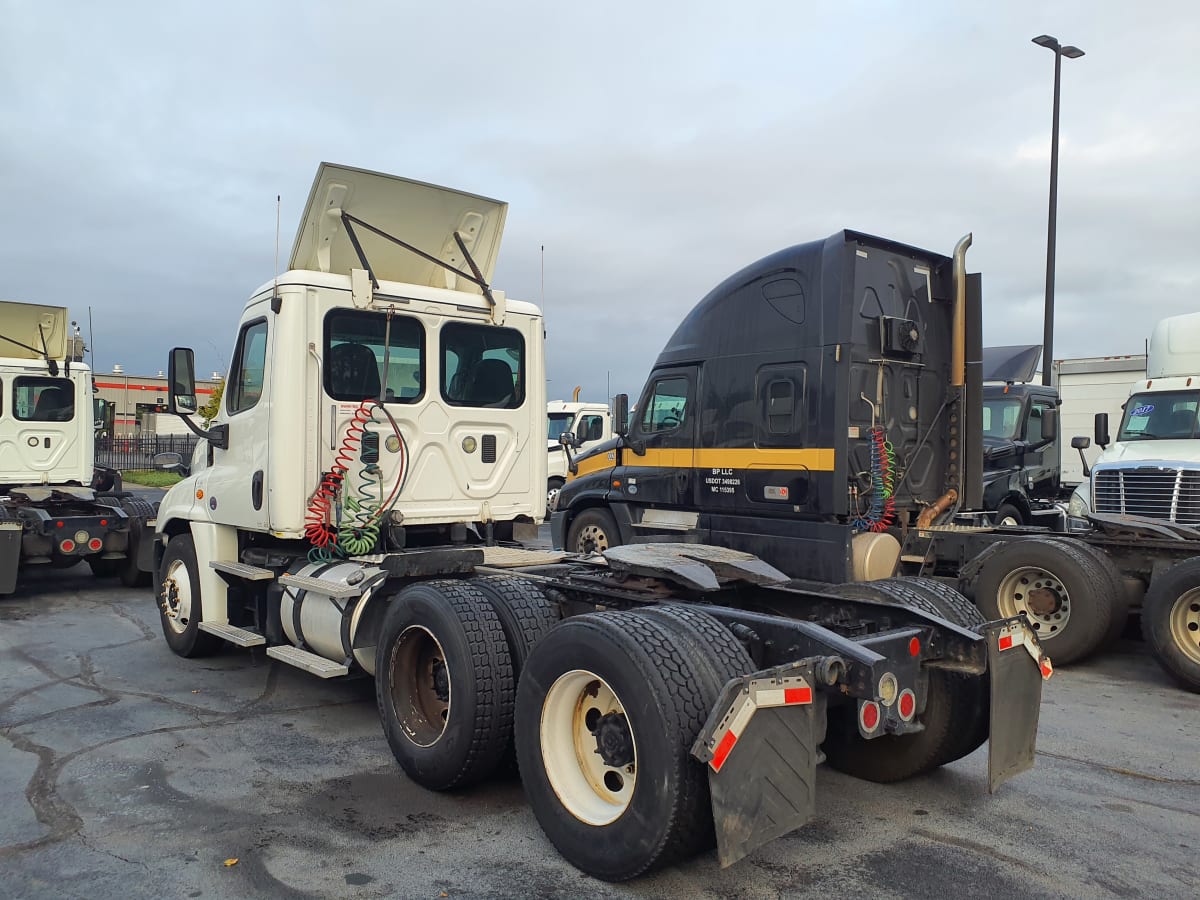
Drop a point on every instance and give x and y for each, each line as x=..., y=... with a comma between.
x=309, y=662
x=321, y=586
x=233, y=634
x=242, y=570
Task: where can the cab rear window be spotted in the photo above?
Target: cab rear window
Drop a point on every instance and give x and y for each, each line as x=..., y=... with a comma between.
x=40, y=399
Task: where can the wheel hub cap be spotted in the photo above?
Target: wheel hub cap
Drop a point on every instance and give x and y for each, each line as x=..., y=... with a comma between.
x=614, y=743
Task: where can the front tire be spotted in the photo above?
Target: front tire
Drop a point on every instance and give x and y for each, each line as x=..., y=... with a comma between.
x=593, y=531
x=1171, y=622
x=179, y=603
x=1009, y=515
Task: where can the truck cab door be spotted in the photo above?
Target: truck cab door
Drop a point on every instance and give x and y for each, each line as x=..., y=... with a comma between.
x=1041, y=464
x=236, y=482
x=664, y=426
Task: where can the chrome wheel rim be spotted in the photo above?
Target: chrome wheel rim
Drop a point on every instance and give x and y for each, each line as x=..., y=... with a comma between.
x=176, y=599
x=1040, y=595
x=581, y=714
x=592, y=539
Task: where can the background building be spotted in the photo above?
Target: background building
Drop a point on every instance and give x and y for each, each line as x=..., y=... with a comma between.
x=137, y=404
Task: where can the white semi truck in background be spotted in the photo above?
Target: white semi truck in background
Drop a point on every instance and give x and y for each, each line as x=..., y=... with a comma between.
x=56, y=507
x=588, y=423
x=380, y=433
x=1086, y=386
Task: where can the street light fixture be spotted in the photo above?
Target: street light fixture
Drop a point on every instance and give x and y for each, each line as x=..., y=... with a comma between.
x=1051, y=43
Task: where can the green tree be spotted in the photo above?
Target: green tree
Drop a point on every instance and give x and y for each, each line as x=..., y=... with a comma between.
x=209, y=410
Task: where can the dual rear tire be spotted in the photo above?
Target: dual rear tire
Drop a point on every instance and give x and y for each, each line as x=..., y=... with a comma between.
x=613, y=701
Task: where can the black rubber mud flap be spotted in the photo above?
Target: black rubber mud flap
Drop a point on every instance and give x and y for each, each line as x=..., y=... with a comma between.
x=761, y=745
x=1018, y=666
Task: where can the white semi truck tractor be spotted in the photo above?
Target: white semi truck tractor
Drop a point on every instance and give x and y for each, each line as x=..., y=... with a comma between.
x=57, y=508
x=380, y=443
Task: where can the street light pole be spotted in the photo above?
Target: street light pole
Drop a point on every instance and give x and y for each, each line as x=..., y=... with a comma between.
x=1070, y=52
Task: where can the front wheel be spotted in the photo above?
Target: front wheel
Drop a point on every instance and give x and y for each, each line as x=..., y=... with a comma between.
x=593, y=531
x=1009, y=515
x=553, y=486
x=1171, y=622
x=179, y=605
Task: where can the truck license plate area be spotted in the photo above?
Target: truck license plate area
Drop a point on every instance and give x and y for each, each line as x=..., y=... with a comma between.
x=761, y=745
x=1017, y=666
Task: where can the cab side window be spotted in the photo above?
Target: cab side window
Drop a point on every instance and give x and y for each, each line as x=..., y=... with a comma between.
x=249, y=367
x=667, y=405
x=1034, y=429
x=591, y=428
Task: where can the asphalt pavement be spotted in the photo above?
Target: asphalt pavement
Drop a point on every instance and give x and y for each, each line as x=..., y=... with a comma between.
x=128, y=772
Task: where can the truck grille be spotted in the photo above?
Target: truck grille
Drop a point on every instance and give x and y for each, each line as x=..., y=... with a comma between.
x=1153, y=491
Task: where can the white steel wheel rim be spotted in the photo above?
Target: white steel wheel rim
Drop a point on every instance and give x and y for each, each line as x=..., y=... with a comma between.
x=589, y=789
x=1009, y=520
x=1014, y=597
x=592, y=535
x=551, y=494
x=177, y=596
x=413, y=684
x=1185, y=624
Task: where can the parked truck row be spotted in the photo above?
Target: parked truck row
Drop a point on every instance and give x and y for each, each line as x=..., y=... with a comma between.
x=803, y=413
x=380, y=440
x=763, y=564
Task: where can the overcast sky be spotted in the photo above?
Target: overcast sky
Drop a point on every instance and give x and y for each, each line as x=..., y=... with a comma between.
x=652, y=148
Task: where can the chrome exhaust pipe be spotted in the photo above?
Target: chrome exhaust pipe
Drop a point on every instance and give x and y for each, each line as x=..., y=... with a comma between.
x=958, y=338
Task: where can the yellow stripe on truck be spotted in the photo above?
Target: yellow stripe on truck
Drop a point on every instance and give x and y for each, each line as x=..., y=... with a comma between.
x=812, y=459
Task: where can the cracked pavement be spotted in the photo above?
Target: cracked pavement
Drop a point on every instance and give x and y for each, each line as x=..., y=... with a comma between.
x=128, y=772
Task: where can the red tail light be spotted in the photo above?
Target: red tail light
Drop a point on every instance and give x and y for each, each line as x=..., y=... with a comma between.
x=67, y=546
x=95, y=544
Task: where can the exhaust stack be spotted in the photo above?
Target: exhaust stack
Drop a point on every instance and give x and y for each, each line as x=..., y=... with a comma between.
x=958, y=347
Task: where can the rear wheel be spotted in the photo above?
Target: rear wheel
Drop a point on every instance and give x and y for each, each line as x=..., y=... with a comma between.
x=949, y=707
x=1171, y=622
x=593, y=531
x=607, y=710
x=526, y=615
x=1063, y=591
x=1115, y=589
x=103, y=568
x=179, y=604
x=972, y=693
x=444, y=684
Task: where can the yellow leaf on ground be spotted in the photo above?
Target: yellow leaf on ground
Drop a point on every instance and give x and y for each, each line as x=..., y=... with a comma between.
x=232, y=861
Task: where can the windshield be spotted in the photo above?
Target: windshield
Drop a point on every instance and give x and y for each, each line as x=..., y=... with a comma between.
x=1156, y=417
x=559, y=422
x=1001, y=417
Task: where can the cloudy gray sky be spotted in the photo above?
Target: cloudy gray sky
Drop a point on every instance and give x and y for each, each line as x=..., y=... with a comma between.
x=652, y=148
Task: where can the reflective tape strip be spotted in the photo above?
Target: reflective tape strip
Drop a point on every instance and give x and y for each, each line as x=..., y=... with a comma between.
x=763, y=694
x=722, y=751
x=1006, y=641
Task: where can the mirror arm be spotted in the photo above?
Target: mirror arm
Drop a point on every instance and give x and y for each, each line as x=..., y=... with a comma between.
x=1087, y=471
x=217, y=436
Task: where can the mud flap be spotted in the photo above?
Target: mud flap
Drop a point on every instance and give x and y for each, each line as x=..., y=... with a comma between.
x=761, y=745
x=1018, y=666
